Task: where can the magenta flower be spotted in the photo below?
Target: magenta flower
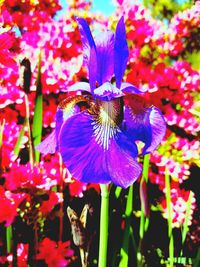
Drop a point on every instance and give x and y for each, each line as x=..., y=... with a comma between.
x=96, y=131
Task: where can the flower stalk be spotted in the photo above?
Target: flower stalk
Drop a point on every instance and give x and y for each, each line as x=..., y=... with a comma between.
x=169, y=219
x=127, y=230
x=144, y=219
x=9, y=238
x=103, y=242
x=27, y=121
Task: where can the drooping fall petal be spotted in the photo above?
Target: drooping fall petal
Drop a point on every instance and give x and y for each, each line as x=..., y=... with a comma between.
x=67, y=108
x=143, y=122
x=98, y=151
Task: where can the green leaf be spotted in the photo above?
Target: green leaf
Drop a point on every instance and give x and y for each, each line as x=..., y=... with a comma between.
x=9, y=238
x=19, y=140
x=186, y=221
x=118, y=191
x=38, y=110
x=127, y=230
x=169, y=219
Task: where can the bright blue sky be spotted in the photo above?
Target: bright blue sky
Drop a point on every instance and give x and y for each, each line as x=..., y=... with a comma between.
x=105, y=6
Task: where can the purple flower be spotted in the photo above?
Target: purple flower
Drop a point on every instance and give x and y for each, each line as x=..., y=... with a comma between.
x=96, y=131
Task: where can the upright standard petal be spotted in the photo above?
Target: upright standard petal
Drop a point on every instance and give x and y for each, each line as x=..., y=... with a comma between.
x=143, y=122
x=96, y=153
x=105, y=56
x=120, y=52
x=89, y=50
x=92, y=68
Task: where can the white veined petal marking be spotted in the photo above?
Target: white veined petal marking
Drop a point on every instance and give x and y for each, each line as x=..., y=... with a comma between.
x=105, y=124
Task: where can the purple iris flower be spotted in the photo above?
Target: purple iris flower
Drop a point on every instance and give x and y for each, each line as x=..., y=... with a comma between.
x=97, y=130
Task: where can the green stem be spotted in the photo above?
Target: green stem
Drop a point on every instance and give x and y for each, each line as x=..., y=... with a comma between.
x=144, y=219
x=170, y=233
x=103, y=242
x=38, y=111
x=127, y=230
x=186, y=221
x=31, y=159
x=9, y=238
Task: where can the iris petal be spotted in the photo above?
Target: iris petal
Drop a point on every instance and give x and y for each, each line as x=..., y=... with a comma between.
x=89, y=50
x=158, y=126
x=144, y=123
x=105, y=56
x=67, y=108
x=95, y=154
x=123, y=166
x=107, y=92
x=92, y=68
x=48, y=145
x=129, y=88
x=120, y=52
x=80, y=86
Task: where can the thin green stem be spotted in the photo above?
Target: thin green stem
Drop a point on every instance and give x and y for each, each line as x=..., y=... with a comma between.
x=31, y=159
x=146, y=167
x=144, y=219
x=38, y=111
x=169, y=219
x=9, y=238
x=186, y=221
x=127, y=230
x=103, y=242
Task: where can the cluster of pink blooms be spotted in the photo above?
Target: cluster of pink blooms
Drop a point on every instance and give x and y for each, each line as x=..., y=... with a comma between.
x=172, y=86
x=57, y=255
x=28, y=28
x=181, y=202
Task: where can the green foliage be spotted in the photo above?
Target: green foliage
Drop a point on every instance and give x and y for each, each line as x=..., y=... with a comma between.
x=37, y=119
x=166, y=9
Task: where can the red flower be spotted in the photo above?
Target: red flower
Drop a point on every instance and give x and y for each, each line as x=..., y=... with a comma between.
x=47, y=205
x=9, y=203
x=6, y=57
x=55, y=254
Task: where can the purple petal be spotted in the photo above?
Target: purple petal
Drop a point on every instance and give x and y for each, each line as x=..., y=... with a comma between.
x=145, y=124
x=67, y=108
x=123, y=164
x=107, y=92
x=48, y=145
x=129, y=88
x=138, y=126
x=120, y=52
x=92, y=68
x=96, y=154
x=158, y=127
x=89, y=50
x=80, y=86
x=105, y=56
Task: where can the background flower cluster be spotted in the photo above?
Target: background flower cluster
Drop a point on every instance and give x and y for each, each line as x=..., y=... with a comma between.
x=164, y=61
